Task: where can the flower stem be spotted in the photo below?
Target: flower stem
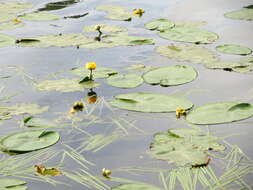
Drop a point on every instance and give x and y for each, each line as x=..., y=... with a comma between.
x=91, y=76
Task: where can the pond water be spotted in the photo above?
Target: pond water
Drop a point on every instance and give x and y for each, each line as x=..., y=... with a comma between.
x=132, y=131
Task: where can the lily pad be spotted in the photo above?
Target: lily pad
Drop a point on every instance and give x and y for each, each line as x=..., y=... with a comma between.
x=104, y=28
x=245, y=61
x=221, y=112
x=149, y=102
x=184, y=146
x=159, y=24
x=115, y=12
x=171, y=75
x=6, y=40
x=125, y=81
x=10, y=25
x=8, y=111
x=14, y=7
x=233, y=49
x=100, y=72
x=243, y=14
x=40, y=123
x=65, y=85
x=37, y=16
x=10, y=182
x=189, y=34
x=27, y=141
x=61, y=40
x=192, y=53
x=135, y=186
x=226, y=65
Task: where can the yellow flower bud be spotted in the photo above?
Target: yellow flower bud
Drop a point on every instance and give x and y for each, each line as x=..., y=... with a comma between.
x=106, y=173
x=91, y=65
x=16, y=20
x=138, y=11
x=180, y=112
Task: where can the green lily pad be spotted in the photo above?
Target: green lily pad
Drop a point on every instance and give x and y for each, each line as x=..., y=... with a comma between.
x=14, y=7
x=100, y=72
x=104, y=28
x=40, y=16
x=245, y=61
x=61, y=40
x=243, y=14
x=189, y=34
x=184, y=146
x=233, y=49
x=27, y=141
x=190, y=23
x=125, y=81
x=65, y=85
x=149, y=102
x=135, y=186
x=115, y=12
x=221, y=112
x=6, y=40
x=159, y=24
x=227, y=65
x=171, y=75
x=10, y=182
x=21, y=187
x=8, y=111
x=192, y=53
x=40, y=123
x=10, y=25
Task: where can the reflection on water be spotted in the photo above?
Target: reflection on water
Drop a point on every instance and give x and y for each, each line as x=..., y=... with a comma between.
x=58, y=5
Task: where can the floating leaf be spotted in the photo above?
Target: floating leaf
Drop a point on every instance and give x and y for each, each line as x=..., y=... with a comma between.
x=65, y=85
x=135, y=186
x=100, y=72
x=184, y=146
x=26, y=141
x=9, y=182
x=6, y=40
x=104, y=28
x=149, y=102
x=125, y=81
x=171, y=75
x=190, y=53
x=40, y=123
x=8, y=111
x=245, y=61
x=226, y=65
x=115, y=12
x=222, y=112
x=40, y=16
x=233, y=49
x=190, y=23
x=61, y=40
x=189, y=34
x=10, y=25
x=159, y=24
x=243, y=14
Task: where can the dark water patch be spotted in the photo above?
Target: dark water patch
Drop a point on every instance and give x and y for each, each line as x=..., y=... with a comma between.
x=58, y=5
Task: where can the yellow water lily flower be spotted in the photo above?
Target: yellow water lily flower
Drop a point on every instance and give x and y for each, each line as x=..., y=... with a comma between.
x=138, y=12
x=180, y=112
x=106, y=173
x=91, y=65
x=42, y=170
x=78, y=106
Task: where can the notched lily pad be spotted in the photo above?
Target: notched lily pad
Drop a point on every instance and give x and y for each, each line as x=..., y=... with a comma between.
x=192, y=53
x=184, y=146
x=171, y=75
x=149, y=102
x=233, y=49
x=100, y=72
x=27, y=141
x=189, y=34
x=243, y=14
x=115, y=12
x=104, y=28
x=65, y=85
x=159, y=24
x=222, y=112
x=125, y=81
x=38, y=16
x=10, y=182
